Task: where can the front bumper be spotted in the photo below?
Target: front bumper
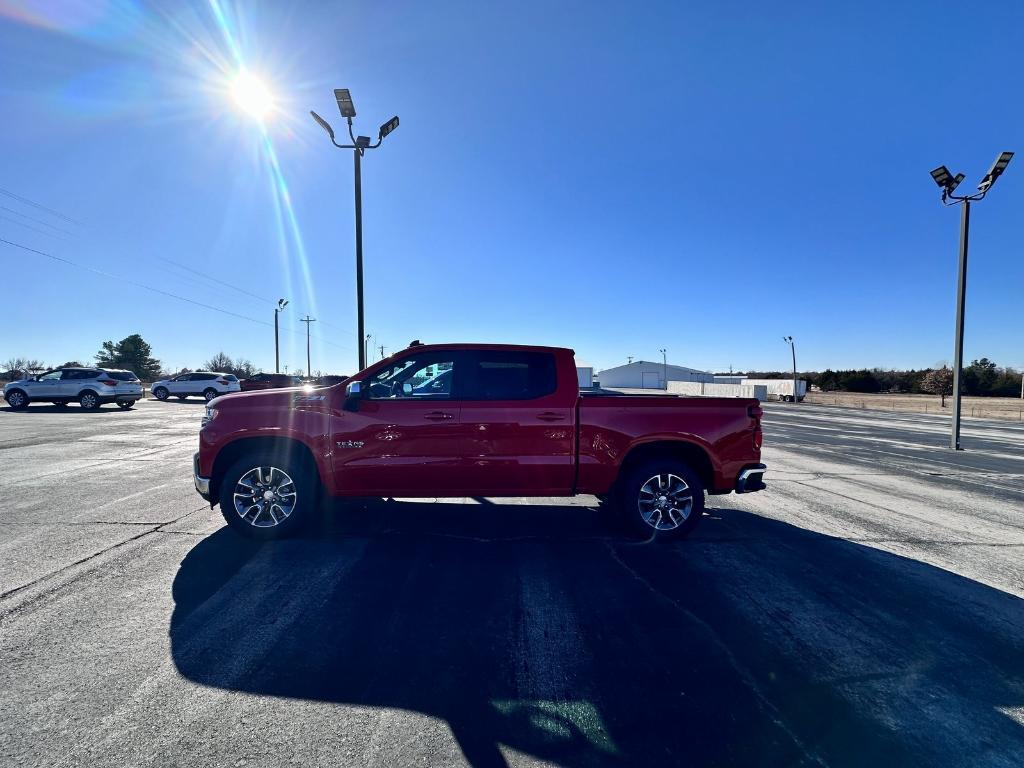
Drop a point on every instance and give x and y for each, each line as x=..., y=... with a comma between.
x=751, y=479
x=202, y=483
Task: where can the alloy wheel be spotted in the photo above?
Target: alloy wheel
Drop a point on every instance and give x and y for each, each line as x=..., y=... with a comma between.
x=265, y=496
x=665, y=501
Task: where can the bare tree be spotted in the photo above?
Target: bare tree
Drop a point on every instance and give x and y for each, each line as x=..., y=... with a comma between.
x=220, y=363
x=938, y=382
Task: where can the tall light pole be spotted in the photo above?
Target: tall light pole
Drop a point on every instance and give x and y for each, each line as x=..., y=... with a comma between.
x=307, y=320
x=359, y=145
x=281, y=304
x=664, y=368
x=947, y=182
x=792, y=348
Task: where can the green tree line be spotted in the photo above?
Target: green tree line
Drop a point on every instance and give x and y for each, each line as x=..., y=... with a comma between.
x=982, y=377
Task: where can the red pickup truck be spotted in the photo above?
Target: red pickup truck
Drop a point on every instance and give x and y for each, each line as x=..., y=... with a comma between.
x=473, y=420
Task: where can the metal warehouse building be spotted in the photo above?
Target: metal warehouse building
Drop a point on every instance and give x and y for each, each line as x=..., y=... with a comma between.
x=646, y=375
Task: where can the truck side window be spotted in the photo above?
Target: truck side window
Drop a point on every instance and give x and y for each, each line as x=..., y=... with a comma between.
x=510, y=375
x=428, y=377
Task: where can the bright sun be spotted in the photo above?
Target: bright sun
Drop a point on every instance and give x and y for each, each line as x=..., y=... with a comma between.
x=251, y=95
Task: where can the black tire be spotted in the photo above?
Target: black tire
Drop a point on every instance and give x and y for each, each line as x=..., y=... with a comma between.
x=258, y=524
x=209, y=393
x=124, y=405
x=161, y=393
x=181, y=397
x=17, y=399
x=89, y=400
x=684, y=520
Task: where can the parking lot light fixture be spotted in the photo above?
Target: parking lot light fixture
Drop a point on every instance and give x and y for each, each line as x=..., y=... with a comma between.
x=358, y=145
x=345, y=105
x=940, y=175
x=995, y=171
x=323, y=124
x=388, y=127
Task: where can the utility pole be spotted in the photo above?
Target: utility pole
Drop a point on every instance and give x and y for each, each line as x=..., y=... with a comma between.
x=381, y=351
x=364, y=349
x=307, y=320
x=664, y=368
x=281, y=304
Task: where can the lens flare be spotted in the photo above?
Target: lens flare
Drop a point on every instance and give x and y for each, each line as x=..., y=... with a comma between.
x=251, y=95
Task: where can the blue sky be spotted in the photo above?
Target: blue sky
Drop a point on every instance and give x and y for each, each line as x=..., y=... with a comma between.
x=614, y=177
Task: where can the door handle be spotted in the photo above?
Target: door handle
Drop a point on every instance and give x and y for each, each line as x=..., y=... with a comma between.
x=549, y=416
x=438, y=416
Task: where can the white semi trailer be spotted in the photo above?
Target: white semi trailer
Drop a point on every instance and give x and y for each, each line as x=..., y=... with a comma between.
x=782, y=389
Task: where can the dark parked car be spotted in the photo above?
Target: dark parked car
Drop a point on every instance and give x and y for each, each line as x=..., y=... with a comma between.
x=270, y=381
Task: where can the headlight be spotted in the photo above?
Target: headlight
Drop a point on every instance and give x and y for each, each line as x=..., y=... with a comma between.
x=211, y=414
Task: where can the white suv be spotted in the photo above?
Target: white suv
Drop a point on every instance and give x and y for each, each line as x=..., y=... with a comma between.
x=91, y=387
x=204, y=384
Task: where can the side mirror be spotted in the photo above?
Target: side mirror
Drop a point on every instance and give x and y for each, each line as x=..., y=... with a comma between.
x=353, y=392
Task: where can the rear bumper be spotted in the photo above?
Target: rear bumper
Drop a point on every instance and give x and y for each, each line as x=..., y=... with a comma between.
x=751, y=479
x=202, y=483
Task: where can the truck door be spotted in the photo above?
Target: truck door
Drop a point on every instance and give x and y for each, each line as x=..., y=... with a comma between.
x=519, y=425
x=405, y=439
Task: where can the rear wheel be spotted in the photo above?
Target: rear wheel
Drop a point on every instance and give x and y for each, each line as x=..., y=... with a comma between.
x=161, y=393
x=209, y=393
x=268, y=494
x=89, y=400
x=16, y=399
x=662, y=499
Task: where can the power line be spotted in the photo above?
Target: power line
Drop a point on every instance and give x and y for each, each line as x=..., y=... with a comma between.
x=39, y=206
x=34, y=229
x=154, y=290
x=37, y=221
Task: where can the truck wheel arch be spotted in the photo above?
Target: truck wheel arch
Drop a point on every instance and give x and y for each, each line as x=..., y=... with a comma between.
x=693, y=455
x=234, y=450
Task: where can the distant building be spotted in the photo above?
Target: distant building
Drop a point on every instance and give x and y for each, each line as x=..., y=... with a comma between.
x=649, y=375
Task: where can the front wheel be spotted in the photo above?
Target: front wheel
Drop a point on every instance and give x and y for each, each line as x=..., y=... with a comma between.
x=662, y=499
x=161, y=393
x=209, y=393
x=16, y=399
x=268, y=494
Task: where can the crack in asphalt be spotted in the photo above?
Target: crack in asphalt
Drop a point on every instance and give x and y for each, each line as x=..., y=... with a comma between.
x=5, y=613
x=734, y=662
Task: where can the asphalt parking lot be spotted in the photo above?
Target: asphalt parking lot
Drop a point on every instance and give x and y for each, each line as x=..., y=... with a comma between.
x=864, y=610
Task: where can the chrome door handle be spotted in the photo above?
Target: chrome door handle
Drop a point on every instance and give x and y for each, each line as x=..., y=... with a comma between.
x=438, y=416
x=548, y=416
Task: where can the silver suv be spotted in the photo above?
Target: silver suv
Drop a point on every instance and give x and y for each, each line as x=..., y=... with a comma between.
x=90, y=387
x=205, y=384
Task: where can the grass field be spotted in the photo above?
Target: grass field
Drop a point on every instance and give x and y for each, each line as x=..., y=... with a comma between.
x=1011, y=408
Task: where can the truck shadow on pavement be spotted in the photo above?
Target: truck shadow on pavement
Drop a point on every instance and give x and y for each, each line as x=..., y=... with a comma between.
x=541, y=628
